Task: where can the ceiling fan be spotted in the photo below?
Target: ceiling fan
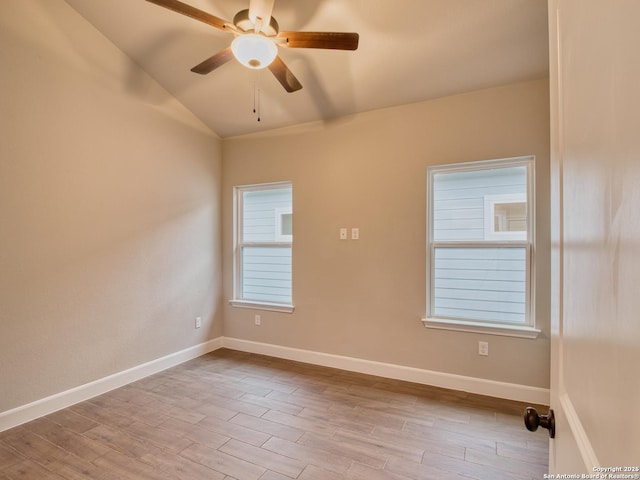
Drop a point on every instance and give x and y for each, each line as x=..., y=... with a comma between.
x=257, y=37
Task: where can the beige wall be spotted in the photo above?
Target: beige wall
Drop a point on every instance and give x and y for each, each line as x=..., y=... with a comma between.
x=109, y=209
x=365, y=298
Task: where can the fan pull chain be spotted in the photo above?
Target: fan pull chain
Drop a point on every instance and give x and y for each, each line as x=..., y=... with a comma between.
x=258, y=104
x=256, y=100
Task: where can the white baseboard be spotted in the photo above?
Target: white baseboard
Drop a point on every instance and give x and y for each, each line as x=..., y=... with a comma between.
x=480, y=386
x=25, y=413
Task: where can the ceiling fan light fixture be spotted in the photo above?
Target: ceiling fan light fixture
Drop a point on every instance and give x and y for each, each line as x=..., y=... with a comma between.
x=253, y=50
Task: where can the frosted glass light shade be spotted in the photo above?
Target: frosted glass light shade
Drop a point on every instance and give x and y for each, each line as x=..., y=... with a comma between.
x=254, y=51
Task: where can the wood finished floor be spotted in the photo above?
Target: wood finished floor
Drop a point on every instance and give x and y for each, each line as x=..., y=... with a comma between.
x=231, y=415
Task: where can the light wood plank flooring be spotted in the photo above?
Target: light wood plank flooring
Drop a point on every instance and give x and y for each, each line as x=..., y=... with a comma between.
x=231, y=415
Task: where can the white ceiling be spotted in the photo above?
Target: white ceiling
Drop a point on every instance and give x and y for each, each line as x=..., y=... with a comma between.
x=410, y=50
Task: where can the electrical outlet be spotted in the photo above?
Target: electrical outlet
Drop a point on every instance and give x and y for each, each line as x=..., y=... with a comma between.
x=258, y=320
x=483, y=348
x=355, y=234
x=198, y=322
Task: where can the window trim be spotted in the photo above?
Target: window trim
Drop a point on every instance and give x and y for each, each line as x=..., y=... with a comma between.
x=238, y=300
x=279, y=212
x=524, y=330
x=490, y=202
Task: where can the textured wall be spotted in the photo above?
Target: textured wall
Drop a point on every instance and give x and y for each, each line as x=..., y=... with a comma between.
x=365, y=298
x=109, y=209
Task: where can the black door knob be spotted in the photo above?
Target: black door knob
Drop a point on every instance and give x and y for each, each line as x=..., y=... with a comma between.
x=532, y=421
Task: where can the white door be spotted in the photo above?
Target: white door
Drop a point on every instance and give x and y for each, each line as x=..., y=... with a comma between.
x=595, y=151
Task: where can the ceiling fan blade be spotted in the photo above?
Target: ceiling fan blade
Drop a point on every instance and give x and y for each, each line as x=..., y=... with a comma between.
x=260, y=10
x=328, y=40
x=211, y=63
x=192, y=12
x=284, y=75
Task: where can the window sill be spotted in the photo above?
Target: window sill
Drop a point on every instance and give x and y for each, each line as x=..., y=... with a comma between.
x=273, y=307
x=488, y=328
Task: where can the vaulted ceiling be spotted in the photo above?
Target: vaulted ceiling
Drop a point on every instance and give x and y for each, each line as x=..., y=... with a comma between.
x=409, y=51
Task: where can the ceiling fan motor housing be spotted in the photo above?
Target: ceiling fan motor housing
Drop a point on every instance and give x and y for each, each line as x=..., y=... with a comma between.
x=244, y=23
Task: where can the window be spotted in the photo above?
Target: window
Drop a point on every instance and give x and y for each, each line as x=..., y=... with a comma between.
x=284, y=224
x=480, y=247
x=505, y=216
x=263, y=245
